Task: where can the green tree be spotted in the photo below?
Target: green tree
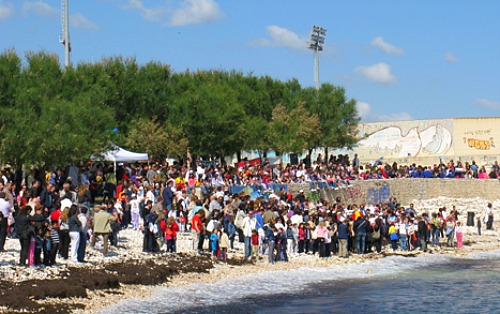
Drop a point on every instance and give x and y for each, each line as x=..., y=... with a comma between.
x=293, y=130
x=159, y=141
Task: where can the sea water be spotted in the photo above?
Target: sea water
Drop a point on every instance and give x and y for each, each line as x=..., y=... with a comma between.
x=422, y=284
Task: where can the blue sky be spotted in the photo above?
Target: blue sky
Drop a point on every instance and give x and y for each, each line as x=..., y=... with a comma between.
x=399, y=59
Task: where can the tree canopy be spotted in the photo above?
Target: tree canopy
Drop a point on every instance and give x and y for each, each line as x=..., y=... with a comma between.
x=54, y=116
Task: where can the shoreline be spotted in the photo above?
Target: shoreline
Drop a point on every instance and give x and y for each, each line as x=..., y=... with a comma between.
x=93, y=287
x=220, y=271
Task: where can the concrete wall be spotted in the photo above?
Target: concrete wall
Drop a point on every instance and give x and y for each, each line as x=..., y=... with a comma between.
x=407, y=190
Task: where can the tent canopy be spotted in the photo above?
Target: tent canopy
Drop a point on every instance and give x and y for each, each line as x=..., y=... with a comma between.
x=118, y=154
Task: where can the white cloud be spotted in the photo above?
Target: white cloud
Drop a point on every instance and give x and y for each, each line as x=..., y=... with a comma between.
x=495, y=105
x=450, y=57
x=281, y=37
x=196, y=12
x=149, y=14
x=364, y=109
x=79, y=21
x=378, y=73
x=187, y=12
x=6, y=11
x=40, y=8
x=379, y=42
x=365, y=112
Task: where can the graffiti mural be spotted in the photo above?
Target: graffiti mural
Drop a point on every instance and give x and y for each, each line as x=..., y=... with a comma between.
x=406, y=139
x=352, y=192
x=379, y=195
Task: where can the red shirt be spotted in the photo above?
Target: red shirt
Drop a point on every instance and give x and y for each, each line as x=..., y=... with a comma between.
x=196, y=223
x=56, y=215
x=174, y=227
x=255, y=239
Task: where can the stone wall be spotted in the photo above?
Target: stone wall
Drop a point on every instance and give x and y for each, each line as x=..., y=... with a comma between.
x=407, y=190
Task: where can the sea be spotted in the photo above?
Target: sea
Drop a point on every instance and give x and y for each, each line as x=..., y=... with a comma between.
x=396, y=284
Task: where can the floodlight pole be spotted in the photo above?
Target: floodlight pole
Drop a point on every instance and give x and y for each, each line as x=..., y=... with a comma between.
x=316, y=44
x=64, y=38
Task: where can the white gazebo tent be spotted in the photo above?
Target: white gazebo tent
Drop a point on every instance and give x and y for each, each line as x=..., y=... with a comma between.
x=118, y=154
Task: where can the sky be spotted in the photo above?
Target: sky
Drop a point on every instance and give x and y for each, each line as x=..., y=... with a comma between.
x=400, y=60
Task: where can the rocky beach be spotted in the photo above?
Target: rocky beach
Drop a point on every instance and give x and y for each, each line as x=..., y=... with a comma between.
x=130, y=273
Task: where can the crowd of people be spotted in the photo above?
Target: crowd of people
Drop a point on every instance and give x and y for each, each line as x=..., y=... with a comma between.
x=57, y=217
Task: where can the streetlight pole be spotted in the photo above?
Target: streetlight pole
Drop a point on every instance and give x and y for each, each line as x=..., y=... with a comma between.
x=316, y=44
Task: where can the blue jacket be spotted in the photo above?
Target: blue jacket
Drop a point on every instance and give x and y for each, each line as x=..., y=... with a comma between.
x=260, y=221
x=270, y=235
x=342, y=231
x=167, y=195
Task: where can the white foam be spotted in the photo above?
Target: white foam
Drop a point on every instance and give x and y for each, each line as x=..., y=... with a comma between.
x=266, y=283
x=494, y=254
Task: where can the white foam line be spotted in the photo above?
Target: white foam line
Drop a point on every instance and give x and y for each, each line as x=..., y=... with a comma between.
x=267, y=283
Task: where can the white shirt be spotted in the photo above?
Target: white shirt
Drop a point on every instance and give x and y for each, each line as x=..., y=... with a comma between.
x=248, y=225
x=150, y=196
x=134, y=206
x=83, y=220
x=297, y=219
x=5, y=207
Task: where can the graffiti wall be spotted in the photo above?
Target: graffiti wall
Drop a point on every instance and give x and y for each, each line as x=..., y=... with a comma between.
x=476, y=136
x=420, y=138
x=462, y=139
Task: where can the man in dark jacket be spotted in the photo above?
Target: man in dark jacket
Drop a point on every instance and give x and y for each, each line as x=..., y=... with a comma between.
x=422, y=233
x=47, y=199
x=23, y=223
x=168, y=196
x=342, y=237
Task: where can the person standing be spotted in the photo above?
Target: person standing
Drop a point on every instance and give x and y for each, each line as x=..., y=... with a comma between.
x=488, y=217
x=393, y=236
x=74, y=225
x=168, y=195
x=223, y=244
x=102, y=226
x=54, y=242
x=64, y=233
x=84, y=230
x=134, y=211
x=197, y=229
x=24, y=232
x=421, y=233
x=342, y=237
x=5, y=210
x=249, y=224
x=377, y=235
x=270, y=241
x=360, y=226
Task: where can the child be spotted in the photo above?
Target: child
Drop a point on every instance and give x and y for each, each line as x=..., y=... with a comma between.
x=214, y=241
x=289, y=238
x=255, y=244
x=54, y=242
x=169, y=237
x=38, y=245
x=459, y=234
x=224, y=244
x=393, y=236
x=302, y=236
x=46, y=247
x=231, y=231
